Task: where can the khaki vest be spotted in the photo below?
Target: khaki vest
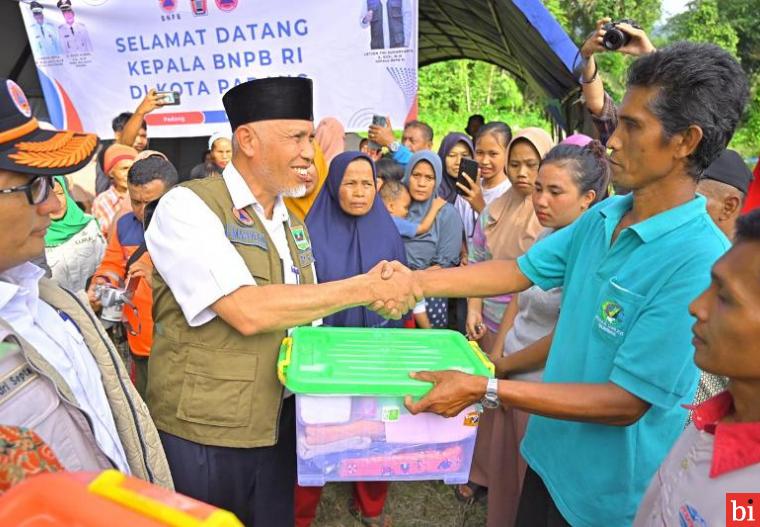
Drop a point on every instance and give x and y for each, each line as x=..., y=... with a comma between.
x=211, y=384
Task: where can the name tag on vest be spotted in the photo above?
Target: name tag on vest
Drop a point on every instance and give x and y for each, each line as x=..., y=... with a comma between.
x=305, y=257
x=245, y=236
x=15, y=380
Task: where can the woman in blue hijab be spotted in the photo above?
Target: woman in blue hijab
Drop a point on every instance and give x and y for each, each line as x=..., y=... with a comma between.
x=351, y=231
x=450, y=158
x=442, y=244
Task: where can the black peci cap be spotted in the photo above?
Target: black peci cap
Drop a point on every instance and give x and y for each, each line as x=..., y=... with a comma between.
x=27, y=149
x=269, y=99
x=730, y=169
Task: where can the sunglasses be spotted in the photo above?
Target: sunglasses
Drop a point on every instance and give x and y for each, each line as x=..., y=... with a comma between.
x=37, y=190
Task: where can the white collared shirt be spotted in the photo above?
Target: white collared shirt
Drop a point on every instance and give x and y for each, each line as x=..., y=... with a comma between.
x=189, y=247
x=62, y=345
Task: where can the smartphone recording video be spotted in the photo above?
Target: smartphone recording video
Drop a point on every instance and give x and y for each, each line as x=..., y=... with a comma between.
x=377, y=120
x=469, y=167
x=168, y=98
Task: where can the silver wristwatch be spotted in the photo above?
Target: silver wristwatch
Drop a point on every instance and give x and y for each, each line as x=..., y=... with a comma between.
x=491, y=398
x=394, y=146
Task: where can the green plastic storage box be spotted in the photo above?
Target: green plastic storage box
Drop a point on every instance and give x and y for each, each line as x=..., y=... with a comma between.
x=351, y=421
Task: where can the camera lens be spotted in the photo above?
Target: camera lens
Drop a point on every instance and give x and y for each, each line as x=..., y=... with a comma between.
x=615, y=39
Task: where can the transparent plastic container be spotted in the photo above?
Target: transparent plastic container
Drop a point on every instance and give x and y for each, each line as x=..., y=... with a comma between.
x=351, y=421
x=352, y=438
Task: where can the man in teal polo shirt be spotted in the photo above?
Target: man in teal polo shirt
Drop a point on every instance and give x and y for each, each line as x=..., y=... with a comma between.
x=621, y=364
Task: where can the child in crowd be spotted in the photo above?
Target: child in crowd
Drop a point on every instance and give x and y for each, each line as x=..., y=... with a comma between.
x=396, y=198
x=114, y=202
x=387, y=170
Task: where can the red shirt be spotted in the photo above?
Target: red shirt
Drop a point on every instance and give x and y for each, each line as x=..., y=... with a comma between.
x=753, y=194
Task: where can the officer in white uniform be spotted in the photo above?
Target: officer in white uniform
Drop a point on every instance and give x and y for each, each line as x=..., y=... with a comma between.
x=73, y=35
x=43, y=35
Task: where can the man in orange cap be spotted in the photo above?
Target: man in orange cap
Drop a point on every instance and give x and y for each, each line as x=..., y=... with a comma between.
x=114, y=202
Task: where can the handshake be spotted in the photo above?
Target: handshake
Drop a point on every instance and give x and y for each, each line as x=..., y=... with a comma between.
x=393, y=289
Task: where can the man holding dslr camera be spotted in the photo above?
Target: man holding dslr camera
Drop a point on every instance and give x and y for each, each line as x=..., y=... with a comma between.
x=724, y=183
x=623, y=36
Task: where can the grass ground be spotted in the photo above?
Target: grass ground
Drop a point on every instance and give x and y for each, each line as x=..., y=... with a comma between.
x=417, y=504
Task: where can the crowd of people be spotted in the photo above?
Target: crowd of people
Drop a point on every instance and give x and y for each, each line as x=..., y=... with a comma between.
x=617, y=295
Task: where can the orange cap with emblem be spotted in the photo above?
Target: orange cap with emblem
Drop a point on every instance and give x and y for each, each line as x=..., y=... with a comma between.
x=27, y=149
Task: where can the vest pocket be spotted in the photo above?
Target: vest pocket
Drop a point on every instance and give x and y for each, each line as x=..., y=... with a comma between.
x=257, y=261
x=218, y=387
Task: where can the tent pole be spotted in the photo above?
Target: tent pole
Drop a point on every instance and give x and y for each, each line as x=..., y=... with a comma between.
x=20, y=62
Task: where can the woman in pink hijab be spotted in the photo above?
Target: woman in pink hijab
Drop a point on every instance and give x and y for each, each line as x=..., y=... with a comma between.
x=330, y=136
x=577, y=140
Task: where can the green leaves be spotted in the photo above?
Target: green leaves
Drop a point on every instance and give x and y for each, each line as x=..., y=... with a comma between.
x=702, y=22
x=451, y=91
x=732, y=25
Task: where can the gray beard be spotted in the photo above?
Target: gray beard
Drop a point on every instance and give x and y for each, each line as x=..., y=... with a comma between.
x=295, y=192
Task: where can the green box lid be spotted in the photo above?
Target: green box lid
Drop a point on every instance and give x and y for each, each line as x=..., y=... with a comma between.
x=367, y=361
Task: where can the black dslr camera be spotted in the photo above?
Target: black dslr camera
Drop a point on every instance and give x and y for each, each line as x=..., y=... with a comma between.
x=616, y=38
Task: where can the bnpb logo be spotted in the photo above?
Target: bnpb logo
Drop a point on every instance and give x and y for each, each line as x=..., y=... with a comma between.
x=742, y=509
x=226, y=5
x=168, y=6
x=18, y=98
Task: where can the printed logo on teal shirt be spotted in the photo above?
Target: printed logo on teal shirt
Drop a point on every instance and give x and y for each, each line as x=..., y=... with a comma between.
x=610, y=318
x=612, y=313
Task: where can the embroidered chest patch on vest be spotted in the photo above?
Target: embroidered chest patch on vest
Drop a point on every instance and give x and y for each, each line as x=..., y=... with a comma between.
x=242, y=217
x=246, y=236
x=299, y=236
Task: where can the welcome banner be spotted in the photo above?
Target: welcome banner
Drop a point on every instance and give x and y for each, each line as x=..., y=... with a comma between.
x=97, y=58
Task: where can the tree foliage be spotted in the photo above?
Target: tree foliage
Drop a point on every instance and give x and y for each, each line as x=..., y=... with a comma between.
x=702, y=23
x=580, y=16
x=732, y=25
x=451, y=91
x=744, y=17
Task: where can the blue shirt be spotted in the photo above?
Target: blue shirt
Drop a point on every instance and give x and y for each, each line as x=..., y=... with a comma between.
x=624, y=319
x=406, y=228
x=402, y=155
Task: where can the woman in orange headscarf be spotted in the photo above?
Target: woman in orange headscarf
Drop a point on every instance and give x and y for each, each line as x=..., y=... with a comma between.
x=318, y=171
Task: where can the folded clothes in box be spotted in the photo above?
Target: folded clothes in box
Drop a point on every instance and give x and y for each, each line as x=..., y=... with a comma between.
x=352, y=424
